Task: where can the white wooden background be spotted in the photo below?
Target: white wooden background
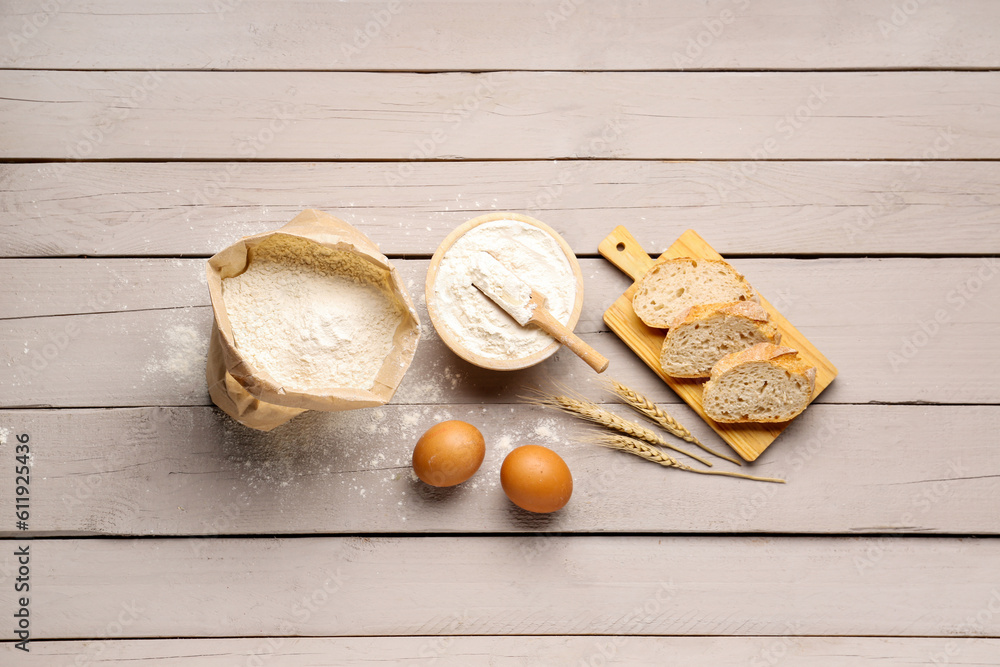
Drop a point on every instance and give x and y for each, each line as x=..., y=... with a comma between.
x=843, y=154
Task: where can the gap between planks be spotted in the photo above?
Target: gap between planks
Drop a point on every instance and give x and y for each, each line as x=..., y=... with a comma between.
x=14, y=536
x=464, y=650
x=513, y=70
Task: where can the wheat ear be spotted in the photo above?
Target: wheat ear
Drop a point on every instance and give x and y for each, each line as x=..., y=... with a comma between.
x=646, y=407
x=598, y=415
x=641, y=449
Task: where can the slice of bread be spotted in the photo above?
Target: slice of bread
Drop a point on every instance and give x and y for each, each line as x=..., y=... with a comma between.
x=763, y=383
x=702, y=335
x=672, y=286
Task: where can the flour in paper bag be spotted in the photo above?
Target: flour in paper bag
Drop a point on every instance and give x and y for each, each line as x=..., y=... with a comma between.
x=312, y=317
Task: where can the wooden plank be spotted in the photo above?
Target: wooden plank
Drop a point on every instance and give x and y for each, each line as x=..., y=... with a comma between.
x=193, y=471
x=361, y=115
x=40, y=287
x=463, y=651
x=192, y=208
x=898, y=330
x=625, y=252
x=513, y=585
x=728, y=34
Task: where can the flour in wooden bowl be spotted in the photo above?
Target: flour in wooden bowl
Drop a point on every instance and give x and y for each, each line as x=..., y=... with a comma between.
x=312, y=317
x=477, y=322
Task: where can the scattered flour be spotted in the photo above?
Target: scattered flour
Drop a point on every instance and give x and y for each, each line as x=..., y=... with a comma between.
x=186, y=351
x=312, y=317
x=481, y=325
x=429, y=390
x=504, y=445
x=546, y=430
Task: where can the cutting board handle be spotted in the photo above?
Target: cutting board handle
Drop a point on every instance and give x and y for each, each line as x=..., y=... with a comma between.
x=621, y=249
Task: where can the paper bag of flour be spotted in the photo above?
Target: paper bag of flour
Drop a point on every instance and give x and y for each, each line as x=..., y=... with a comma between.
x=308, y=317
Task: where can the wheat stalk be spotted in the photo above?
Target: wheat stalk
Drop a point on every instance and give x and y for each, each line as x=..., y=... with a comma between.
x=646, y=407
x=641, y=449
x=598, y=415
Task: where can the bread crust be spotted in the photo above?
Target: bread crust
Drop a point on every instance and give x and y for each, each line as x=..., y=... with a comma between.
x=785, y=358
x=642, y=287
x=778, y=355
x=751, y=310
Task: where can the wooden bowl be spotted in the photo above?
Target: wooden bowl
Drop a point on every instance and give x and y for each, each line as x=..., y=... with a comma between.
x=455, y=343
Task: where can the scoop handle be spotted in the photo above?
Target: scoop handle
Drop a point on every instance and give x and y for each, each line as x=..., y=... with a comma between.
x=544, y=320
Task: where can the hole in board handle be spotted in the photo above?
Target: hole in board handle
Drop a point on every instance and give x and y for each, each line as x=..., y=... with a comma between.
x=620, y=247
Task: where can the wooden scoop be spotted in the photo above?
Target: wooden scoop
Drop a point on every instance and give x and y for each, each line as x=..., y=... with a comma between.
x=527, y=306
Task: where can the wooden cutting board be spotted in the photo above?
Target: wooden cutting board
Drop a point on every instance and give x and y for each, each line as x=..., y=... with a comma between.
x=622, y=250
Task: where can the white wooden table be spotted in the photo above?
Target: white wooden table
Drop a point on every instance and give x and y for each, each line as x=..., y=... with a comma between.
x=844, y=155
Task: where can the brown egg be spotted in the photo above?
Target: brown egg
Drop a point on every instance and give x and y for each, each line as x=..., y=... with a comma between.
x=535, y=478
x=448, y=453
